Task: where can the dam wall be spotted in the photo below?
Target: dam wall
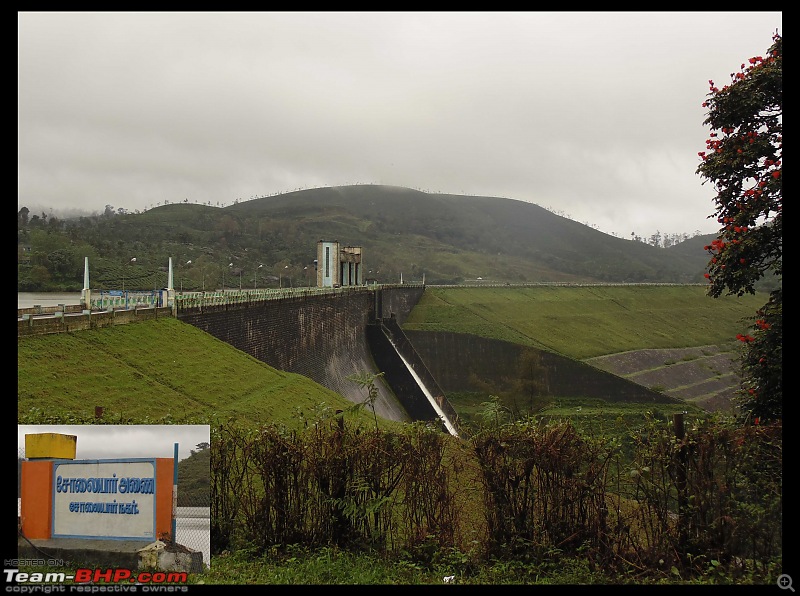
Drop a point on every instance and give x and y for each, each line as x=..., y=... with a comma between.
x=458, y=360
x=320, y=336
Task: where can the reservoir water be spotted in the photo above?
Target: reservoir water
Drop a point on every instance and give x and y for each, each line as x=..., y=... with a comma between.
x=31, y=299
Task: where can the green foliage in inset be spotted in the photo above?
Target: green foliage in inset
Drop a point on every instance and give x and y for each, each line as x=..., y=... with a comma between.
x=194, y=479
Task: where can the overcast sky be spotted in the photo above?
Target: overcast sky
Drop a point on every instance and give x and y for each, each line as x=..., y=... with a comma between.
x=106, y=441
x=596, y=116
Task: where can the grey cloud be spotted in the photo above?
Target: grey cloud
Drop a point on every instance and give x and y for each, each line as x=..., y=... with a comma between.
x=594, y=114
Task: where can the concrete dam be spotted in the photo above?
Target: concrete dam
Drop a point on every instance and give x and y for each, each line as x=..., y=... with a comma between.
x=330, y=336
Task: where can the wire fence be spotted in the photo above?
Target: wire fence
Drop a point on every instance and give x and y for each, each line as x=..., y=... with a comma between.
x=193, y=529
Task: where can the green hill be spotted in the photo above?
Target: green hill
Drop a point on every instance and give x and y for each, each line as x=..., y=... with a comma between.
x=271, y=241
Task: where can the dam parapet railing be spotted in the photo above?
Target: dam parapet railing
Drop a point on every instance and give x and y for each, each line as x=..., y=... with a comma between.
x=198, y=300
x=108, y=308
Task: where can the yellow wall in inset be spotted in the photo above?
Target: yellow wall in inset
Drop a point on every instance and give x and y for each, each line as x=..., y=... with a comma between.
x=51, y=445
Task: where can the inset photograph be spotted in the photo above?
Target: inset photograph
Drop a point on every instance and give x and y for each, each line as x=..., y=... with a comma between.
x=127, y=496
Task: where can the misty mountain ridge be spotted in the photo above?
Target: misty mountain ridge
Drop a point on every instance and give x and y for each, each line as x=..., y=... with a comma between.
x=443, y=238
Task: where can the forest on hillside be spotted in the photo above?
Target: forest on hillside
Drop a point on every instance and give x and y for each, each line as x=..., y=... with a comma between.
x=408, y=234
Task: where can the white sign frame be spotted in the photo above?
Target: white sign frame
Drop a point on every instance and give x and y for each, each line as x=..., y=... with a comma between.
x=107, y=499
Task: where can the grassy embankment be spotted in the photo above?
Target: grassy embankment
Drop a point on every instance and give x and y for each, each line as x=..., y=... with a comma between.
x=586, y=321
x=161, y=371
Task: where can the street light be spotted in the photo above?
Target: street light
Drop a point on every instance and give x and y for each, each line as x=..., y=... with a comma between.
x=182, y=274
x=223, y=276
x=306, y=270
x=255, y=284
x=124, y=293
x=133, y=260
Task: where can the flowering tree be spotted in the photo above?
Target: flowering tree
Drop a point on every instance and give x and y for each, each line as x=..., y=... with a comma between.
x=743, y=159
